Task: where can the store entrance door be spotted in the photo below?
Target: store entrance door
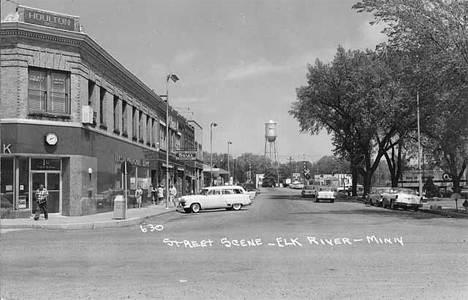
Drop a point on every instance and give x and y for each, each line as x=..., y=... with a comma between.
x=51, y=181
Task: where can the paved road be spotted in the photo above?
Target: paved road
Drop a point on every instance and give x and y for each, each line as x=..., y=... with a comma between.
x=283, y=247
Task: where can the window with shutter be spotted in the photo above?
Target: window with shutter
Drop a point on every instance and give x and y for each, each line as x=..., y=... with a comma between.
x=48, y=91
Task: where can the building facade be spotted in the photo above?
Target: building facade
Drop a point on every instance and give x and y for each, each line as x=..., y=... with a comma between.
x=71, y=114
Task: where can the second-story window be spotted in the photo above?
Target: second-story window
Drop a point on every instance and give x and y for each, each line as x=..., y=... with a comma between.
x=102, y=107
x=124, y=118
x=141, y=123
x=149, y=130
x=135, y=124
x=48, y=91
x=116, y=115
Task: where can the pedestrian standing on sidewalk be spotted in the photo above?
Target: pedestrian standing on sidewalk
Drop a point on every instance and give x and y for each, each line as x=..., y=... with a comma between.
x=41, y=200
x=160, y=194
x=152, y=193
x=138, y=196
x=173, y=194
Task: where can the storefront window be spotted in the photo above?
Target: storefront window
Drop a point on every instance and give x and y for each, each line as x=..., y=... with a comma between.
x=6, y=190
x=23, y=199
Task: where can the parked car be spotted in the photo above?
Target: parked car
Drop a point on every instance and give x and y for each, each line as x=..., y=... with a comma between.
x=402, y=198
x=251, y=189
x=464, y=192
x=308, y=191
x=375, y=196
x=230, y=197
x=325, y=193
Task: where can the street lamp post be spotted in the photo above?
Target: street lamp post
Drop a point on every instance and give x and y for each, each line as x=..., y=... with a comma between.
x=174, y=78
x=211, y=151
x=229, y=173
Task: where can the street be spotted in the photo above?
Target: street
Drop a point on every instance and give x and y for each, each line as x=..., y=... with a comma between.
x=281, y=247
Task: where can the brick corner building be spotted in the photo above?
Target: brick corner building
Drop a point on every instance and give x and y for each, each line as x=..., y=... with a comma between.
x=71, y=114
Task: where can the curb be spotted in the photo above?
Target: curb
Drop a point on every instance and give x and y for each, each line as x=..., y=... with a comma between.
x=449, y=214
x=87, y=225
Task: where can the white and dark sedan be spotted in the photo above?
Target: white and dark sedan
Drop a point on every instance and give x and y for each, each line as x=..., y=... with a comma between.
x=402, y=198
x=230, y=197
x=325, y=193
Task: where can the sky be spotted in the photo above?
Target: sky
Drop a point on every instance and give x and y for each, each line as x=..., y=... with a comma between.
x=239, y=62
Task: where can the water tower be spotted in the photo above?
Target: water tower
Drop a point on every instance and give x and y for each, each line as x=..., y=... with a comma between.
x=270, y=142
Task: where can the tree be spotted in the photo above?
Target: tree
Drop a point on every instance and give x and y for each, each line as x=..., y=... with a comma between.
x=357, y=100
x=270, y=177
x=434, y=33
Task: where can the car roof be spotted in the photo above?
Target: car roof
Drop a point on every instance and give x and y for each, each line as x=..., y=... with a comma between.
x=223, y=187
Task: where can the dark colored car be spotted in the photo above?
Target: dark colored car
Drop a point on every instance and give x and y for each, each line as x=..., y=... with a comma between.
x=308, y=191
x=375, y=196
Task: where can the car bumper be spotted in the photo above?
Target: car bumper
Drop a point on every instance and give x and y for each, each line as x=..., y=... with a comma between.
x=409, y=205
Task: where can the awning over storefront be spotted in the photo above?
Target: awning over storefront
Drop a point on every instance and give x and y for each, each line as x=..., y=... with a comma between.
x=214, y=171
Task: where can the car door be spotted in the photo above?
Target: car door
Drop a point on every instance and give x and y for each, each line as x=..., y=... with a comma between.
x=213, y=199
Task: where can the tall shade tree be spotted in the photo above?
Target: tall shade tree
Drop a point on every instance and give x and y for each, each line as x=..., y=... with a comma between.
x=356, y=99
x=434, y=33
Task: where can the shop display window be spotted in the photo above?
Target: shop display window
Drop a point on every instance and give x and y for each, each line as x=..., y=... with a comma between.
x=6, y=188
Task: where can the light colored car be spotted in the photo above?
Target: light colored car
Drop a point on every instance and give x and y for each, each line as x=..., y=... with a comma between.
x=402, y=198
x=230, y=197
x=375, y=196
x=325, y=193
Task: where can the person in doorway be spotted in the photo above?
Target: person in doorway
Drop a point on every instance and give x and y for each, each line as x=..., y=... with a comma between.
x=41, y=200
x=152, y=194
x=172, y=195
x=160, y=194
x=138, y=196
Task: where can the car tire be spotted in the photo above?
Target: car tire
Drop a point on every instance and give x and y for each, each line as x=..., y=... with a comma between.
x=236, y=206
x=195, y=207
x=416, y=208
x=188, y=210
x=228, y=208
x=332, y=201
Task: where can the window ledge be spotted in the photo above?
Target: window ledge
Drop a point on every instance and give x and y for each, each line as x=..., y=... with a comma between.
x=102, y=126
x=48, y=115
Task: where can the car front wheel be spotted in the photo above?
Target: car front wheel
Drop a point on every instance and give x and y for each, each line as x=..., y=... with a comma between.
x=195, y=207
x=236, y=206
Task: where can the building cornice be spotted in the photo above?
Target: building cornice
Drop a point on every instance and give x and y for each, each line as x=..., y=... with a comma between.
x=91, y=51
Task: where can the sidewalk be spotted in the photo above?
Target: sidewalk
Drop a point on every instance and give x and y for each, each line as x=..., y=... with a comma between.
x=445, y=207
x=103, y=220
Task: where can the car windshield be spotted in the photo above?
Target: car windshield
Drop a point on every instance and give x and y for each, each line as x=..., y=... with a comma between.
x=309, y=187
x=325, y=189
x=204, y=192
x=405, y=191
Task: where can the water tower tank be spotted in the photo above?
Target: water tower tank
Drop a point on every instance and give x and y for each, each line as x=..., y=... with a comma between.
x=270, y=131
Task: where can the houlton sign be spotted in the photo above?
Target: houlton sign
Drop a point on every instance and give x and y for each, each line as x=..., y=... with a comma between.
x=48, y=19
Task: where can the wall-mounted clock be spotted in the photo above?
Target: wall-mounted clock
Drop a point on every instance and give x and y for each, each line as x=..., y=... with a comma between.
x=51, y=139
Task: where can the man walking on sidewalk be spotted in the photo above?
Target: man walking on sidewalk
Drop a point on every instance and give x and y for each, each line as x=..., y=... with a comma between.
x=41, y=200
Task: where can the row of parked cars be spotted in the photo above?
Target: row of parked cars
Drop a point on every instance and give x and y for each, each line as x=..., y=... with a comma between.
x=319, y=193
x=394, y=197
